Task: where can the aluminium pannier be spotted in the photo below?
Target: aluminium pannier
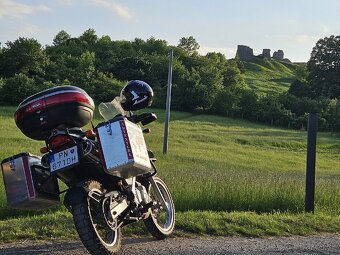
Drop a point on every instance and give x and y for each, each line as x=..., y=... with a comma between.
x=28, y=185
x=122, y=147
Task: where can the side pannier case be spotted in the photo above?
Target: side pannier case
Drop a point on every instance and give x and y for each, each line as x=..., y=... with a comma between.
x=123, y=149
x=64, y=106
x=28, y=186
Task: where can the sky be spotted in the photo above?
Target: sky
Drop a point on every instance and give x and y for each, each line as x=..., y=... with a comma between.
x=217, y=25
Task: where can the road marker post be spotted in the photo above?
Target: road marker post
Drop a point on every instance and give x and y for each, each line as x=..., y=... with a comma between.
x=168, y=103
x=310, y=166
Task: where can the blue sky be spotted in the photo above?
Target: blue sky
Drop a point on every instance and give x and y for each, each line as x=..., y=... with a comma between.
x=218, y=25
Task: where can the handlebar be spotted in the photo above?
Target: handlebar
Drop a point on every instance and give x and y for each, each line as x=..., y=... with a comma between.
x=144, y=118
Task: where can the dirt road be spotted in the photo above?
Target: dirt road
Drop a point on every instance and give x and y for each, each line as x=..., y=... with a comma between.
x=325, y=244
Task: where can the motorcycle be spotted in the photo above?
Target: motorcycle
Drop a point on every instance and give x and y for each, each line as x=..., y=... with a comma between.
x=110, y=175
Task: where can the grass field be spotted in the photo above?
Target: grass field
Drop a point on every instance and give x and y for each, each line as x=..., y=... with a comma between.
x=268, y=76
x=215, y=163
x=220, y=164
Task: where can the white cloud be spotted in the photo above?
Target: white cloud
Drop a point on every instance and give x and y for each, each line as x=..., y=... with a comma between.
x=228, y=52
x=29, y=30
x=66, y=2
x=305, y=39
x=285, y=39
x=118, y=9
x=9, y=8
x=21, y=29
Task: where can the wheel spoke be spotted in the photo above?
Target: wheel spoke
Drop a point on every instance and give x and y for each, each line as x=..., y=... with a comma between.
x=162, y=220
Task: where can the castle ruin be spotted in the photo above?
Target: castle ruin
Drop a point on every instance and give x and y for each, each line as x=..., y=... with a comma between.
x=266, y=53
x=278, y=55
x=245, y=53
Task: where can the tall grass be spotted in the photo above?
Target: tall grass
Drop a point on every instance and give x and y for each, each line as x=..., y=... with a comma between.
x=215, y=163
x=221, y=164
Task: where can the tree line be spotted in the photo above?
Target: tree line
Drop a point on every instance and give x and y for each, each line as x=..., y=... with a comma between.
x=204, y=84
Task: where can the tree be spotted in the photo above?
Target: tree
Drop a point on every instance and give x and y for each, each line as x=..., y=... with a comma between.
x=299, y=88
x=89, y=37
x=301, y=71
x=23, y=56
x=226, y=102
x=19, y=87
x=332, y=114
x=324, y=68
x=61, y=38
x=81, y=71
x=187, y=91
x=210, y=85
x=189, y=44
x=271, y=109
x=106, y=88
x=105, y=56
x=248, y=104
x=131, y=68
x=233, y=78
x=152, y=46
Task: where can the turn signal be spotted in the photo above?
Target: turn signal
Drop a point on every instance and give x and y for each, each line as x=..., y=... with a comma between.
x=43, y=150
x=90, y=134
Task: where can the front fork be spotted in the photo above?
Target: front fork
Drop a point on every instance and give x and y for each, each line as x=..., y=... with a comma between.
x=158, y=192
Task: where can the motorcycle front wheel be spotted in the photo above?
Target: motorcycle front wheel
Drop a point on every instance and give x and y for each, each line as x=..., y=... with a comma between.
x=92, y=227
x=161, y=221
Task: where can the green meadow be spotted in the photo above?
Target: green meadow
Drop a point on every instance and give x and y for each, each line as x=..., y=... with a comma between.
x=268, y=76
x=217, y=168
x=221, y=164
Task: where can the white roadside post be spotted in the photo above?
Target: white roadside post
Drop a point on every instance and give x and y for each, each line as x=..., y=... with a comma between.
x=168, y=103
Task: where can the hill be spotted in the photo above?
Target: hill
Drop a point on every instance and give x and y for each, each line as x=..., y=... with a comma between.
x=268, y=75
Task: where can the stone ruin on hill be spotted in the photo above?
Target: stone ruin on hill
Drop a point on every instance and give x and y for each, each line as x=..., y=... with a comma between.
x=278, y=55
x=266, y=53
x=245, y=53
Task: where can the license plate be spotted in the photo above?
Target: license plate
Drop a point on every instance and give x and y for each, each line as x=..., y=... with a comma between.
x=64, y=159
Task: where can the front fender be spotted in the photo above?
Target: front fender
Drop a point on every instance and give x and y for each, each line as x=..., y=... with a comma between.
x=75, y=196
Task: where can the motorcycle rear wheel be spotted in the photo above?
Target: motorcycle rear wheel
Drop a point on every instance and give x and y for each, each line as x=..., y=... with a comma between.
x=161, y=221
x=94, y=232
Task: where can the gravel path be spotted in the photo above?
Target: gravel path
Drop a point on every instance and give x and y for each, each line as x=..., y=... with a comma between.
x=324, y=244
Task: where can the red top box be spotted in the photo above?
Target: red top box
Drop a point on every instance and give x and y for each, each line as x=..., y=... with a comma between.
x=58, y=107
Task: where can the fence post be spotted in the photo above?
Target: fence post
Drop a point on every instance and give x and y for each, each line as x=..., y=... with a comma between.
x=311, y=158
x=168, y=103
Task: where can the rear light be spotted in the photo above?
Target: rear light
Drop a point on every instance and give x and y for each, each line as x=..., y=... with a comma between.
x=60, y=142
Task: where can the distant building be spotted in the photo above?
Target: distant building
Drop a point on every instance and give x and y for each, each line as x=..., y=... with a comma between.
x=278, y=55
x=245, y=53
x=266, y=53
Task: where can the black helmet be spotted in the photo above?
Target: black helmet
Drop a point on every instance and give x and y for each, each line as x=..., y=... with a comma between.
x=136, y=95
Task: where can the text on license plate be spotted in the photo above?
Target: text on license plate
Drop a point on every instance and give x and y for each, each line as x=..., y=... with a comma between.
x=64, y=159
